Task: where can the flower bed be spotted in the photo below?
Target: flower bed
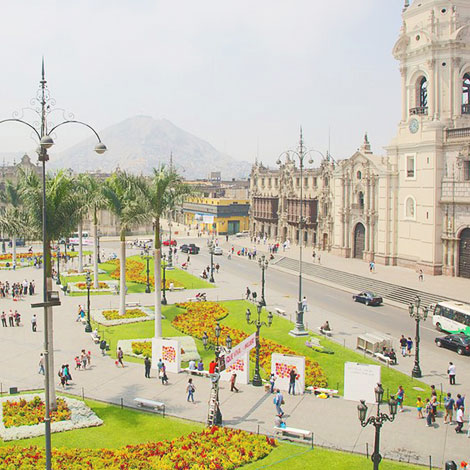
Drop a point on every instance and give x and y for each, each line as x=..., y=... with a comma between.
x=202, y=317
x=134, y=270
x=211, y=449
x=28, y=413
x=130, y=313
x=23, y=417
x=113, y=318
x=104, y=286
x=83, y=286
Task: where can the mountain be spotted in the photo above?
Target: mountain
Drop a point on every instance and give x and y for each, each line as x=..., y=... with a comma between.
x=140, y=143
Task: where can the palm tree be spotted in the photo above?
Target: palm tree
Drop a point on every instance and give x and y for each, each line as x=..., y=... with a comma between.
x=92, y=201
x=164, y=190
x=123, y=195
x=62, y=215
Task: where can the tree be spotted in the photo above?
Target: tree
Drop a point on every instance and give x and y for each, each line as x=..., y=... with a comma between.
x=92, y=201
x=62, y=215
x=161, y=193
x=123, y=195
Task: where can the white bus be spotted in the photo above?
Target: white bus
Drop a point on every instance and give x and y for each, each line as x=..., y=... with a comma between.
x=86, y=239
x=452, y=317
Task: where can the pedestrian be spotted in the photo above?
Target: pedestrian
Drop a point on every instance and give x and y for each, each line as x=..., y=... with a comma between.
x=400, y=397
x=248, y=293
x=459, y=419
x=120, y=355
x=434, y=404
x=272, y=381
x=420, y=276
x=11, y=318
x=371, y=266
x=88, y=358
x=232, y=383
x=190, y=390
x=62, y=377
x=34, y=322
x=78, y=363
x=459, y=402
x=4, y=319
x=419, y=407
x=83, y=359
x=428, y=413
x=163, y=375
x=409, y=345
x=304, y=304
x=313, y=255
x=147, y=364
x=254, y=295
x=217, y=267
x=292, y=377
x=449, y=403
x=41, y=370
x=451, y=372
x=403, y=344
x=278, y=401
x=103, y=347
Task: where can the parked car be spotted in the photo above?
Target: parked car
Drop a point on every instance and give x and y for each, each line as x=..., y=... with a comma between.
x=217, y=250
x=368, y=298
x=245, y=233
x=167, y=242
x=192, y=249
x=458, y=342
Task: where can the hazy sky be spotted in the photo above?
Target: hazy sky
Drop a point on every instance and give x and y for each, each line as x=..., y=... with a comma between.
x=243, y=75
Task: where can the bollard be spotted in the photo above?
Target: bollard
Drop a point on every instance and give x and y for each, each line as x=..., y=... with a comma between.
x=257, y=432
x=122, y=403
x=312, y=440
x=430, y=462
x=344, y=343
x=367, y=450
x=83, y=394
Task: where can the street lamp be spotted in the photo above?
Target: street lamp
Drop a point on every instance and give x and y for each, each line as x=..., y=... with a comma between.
x=217, y=419
x=58, y=264
x=228, y=342
x=98, y=245
x=164, y=301
x=211, y=251
x=300, y=153
x=418, y=313
x=257, y=382
x=44, y=107
x=377, y=420
x=205, y=339
x=88, y=328
x=147, y=258
x=263, y=264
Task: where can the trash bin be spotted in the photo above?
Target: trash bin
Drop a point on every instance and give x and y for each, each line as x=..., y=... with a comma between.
x=451, y=465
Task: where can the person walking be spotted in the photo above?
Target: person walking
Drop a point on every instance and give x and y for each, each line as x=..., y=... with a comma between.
x=4, y=319
x=233, y=380
x=459, y=402
x=120, y=355
x=420, y=276
x=11, y=318
x=449, y=403
x=403, y=344
x=292, y=378
x=434, y=404
x=428, y=413
x=190, y=389
x=42, y=370
x=451, y=372
x=400, y=397
x=148, y=365
x=459, y=419
x=278, y=401
x=272, y=381
x=304, y=304
x=409, y=345
x=34, y=323
x=419, y=407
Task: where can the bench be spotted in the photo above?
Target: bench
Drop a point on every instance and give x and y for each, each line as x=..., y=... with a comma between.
x=313, y=343
x=202, y=373
x=96, y=339
x=156, y=405
x=279, y=311
x=325, y=332
x=383, y=358
x=132, y=304
x=327, y=391
x=299, y=433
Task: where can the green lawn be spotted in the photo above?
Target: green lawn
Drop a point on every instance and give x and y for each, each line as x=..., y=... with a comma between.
x=332, y=364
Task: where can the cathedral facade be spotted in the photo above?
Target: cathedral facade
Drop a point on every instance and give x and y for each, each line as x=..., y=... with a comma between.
x=410, y=207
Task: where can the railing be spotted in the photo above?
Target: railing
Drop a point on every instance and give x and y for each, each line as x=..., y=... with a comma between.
x=419, y=111
x=458, y=133
x=466, y=109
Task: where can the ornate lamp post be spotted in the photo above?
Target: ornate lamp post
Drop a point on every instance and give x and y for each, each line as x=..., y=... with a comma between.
x=418, y=313
x=58, y=264
x=205, y=339
x=65, y=249
x=164, y=301
x=263, y=264
x=88, y=328
x=98, y=245
x=147, y=258
x=43, y=107
x=300, y=153
x=377, y=420
x=257, y=382
x=228, y=342
x=216, y=378
x=211, y=251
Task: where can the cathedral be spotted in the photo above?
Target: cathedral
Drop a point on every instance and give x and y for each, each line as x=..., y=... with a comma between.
x=410, y=207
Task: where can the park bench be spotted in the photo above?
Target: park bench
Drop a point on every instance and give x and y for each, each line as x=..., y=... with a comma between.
x=327, y=391
x=279, y=311
x=95, y=339
x=383, y=358
x=313, y=343
x=202, y=373
x=156, y=405
x=133, y=304
x=299, y=433
x=325, y=332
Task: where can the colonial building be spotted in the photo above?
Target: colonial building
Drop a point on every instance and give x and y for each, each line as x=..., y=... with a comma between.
x=410, y=207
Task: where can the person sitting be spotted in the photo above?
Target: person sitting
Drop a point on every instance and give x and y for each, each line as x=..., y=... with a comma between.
x=200, y=365
x=392, y=356
x=95, y=334
x=192, y=364
x=278, y=422
x=325, y=327
x=204, y=274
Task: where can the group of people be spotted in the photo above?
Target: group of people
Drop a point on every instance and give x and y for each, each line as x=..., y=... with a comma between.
x=206, y=272
x=64, y=375
x=18, y=290
x=14, y=318
x=83, y=360
x=406, y=345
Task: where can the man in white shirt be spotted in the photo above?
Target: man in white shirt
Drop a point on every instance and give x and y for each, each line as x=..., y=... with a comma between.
x=192, y=364
x=459, y=420
x=451, y=372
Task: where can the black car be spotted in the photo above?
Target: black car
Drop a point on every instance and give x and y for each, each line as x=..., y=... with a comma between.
x=191, y=249
x=368, y=298
x=458, y=342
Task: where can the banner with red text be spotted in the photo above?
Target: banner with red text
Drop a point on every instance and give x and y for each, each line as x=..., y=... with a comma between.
x=239, y=350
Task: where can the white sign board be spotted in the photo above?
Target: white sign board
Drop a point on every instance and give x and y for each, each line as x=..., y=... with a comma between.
x=240, y=349
x=360, y=381
x=241, y=367
x=208, y=219
x=169, y=351
x=282, y=364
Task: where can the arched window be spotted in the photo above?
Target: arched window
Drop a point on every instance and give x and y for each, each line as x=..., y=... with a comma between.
x=410, y=208
x=360, y=199
x=466, y=94
x=359, y=175
x=423, y=92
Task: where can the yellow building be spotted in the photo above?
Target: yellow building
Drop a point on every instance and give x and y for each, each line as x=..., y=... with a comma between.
x=217, y=215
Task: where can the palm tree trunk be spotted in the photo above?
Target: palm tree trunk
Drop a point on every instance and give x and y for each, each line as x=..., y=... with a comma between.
x=13, y=241
x=158, y=280
x=95, y=251
x=80, y=247
x=122, y=275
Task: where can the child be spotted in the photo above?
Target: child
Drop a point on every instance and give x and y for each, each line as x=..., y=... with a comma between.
x=78, y=363
x=400, y=397
x=419, y=407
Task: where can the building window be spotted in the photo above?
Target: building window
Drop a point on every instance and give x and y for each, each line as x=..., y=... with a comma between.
x=360, y=200
x=275, y=182
x=466, y=94
x=410, y=208
x=262, y=182
x=297, y=182
x=315, y=182
x=423, y=92
x=410, y=166
x=359, y=175
x=325, y=181
x=306, y=182
x=466, y=170
x=325, y=209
